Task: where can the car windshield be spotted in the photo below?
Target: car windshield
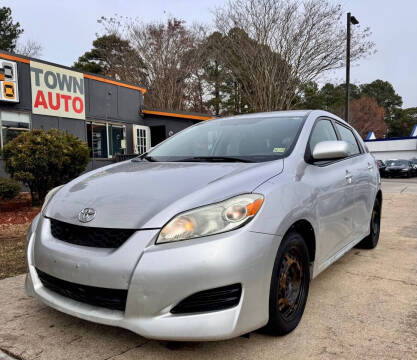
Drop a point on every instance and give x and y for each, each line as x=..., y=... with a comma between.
x=248, y=139
x=398, y=163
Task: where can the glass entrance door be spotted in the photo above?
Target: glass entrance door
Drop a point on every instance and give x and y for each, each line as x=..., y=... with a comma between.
x=117, y=139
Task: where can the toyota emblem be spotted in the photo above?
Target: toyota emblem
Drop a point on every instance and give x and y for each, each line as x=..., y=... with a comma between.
x=86, y=215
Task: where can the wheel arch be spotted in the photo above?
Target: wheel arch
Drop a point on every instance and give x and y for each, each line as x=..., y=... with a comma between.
x=306, y=229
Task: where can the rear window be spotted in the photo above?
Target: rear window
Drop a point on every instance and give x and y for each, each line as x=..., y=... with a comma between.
x=399, y=163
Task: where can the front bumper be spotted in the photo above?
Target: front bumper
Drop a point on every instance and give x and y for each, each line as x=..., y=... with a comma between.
x=397, y=173
x=158, y=277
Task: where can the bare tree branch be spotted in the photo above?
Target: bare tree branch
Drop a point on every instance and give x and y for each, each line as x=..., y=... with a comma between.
x=30, y=48
x=289, y=43
x=169, y=54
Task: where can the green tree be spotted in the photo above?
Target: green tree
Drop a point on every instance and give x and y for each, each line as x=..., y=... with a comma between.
x=310, y=97
x=223, y=75
x=402, y=122
x=330, y=97
x=412, y=113
x=383, y=92
x=214, y=71
x=43, y=160
x=9, y=31
x=333, y=96
x=113, y=57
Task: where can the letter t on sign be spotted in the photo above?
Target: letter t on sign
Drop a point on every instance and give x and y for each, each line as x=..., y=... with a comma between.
x=37, y=73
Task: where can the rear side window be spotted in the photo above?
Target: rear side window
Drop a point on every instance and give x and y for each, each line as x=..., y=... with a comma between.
x=323, y=131
x=347, y=135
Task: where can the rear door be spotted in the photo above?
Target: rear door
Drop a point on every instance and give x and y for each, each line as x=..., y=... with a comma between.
x=361, y=170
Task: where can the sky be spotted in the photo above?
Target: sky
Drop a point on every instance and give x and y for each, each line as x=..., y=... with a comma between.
x=66, y=29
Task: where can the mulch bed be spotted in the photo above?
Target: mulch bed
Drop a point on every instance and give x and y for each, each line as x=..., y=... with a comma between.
x=15, y=218
x=17, y=211
x=22, y=216
x=20, y=201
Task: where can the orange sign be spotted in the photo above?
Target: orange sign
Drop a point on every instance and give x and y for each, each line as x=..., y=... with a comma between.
x=9, y=90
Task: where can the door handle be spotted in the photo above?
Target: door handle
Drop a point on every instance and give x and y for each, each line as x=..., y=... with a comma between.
x=370, y=167
x=348, y=177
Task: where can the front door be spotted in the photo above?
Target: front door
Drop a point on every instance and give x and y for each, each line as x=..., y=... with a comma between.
x=141, y=139
x=332, y=196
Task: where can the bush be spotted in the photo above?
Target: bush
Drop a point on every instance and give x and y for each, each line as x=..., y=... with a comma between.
x=45, y=159
x=9, y=188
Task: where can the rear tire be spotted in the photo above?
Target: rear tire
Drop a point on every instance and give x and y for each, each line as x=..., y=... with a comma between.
x=371, y=241
x=289, y=285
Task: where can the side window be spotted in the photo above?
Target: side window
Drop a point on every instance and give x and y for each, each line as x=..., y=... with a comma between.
x=347, y=135
x=323, y=131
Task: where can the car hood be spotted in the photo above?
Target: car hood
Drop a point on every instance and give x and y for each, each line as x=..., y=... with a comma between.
x=397, y=167
x=139, y=194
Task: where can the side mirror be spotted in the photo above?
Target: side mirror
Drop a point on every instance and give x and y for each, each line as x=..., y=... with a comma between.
x=331, y=150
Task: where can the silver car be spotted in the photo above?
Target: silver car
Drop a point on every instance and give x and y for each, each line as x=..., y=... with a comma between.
x=212, y=234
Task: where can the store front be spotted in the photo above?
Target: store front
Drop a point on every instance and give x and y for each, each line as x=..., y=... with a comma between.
x=108, y=115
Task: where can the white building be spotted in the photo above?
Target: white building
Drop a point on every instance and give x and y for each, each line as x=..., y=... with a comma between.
x=396, y=148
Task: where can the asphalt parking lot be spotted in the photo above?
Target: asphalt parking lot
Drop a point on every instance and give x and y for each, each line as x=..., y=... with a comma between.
x=363, y=307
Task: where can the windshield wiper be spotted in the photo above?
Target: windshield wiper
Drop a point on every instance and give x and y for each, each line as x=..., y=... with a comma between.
x=216, y=159
x=146, y=157
x=149, y=158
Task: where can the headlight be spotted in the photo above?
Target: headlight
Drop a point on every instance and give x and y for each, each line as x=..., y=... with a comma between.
x=212, y=219
x=48, y=198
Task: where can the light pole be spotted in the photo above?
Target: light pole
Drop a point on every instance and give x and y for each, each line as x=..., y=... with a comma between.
x=350, y=20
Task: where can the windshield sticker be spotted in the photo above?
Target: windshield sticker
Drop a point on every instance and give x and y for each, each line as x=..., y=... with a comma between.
x=279, y=150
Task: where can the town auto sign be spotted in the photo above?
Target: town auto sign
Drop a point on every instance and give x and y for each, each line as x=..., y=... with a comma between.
x=57, y=91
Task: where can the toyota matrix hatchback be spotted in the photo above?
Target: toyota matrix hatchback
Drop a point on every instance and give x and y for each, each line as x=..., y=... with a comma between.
x=214, y=233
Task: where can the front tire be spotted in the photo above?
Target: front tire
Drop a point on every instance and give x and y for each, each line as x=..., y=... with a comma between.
x=289, y=285
x=371, y=241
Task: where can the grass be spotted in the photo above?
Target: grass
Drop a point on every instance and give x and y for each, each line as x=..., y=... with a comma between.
x=12, y=251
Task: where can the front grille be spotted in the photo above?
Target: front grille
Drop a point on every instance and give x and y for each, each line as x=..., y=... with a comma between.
x=114, y=299
x=210, y=300
x=89, y=236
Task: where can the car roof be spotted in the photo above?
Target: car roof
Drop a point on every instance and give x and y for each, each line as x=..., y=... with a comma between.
x=301, y=113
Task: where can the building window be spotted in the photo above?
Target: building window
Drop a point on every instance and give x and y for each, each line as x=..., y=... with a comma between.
x=12, y=124
x=97, y=140
x=106, y=140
